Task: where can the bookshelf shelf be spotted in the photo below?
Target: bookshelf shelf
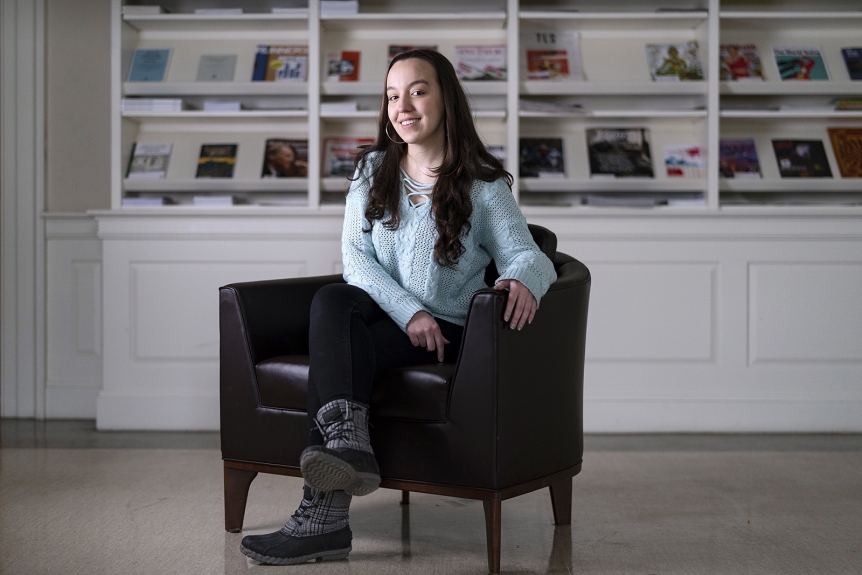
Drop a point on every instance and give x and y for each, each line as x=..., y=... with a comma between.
x=605, y=185
x=188, y=23
x=217, y=185
x=398, y=21
x=215, y=89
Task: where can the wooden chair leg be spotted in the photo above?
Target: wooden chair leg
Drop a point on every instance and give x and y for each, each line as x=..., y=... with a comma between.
x=493, y=525
x=236, y=485
x=561, y=500
x=405, y=497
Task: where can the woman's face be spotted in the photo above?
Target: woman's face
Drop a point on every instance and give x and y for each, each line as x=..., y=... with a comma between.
x=415, y=102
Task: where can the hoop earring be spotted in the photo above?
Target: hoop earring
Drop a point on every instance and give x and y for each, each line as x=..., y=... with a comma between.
x=386, y=129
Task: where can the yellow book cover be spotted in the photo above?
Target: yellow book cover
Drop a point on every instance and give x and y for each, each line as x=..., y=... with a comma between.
x=847, y=145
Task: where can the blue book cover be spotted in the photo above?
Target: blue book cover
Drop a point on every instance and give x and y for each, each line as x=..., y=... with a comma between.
x=149, y=65
x=853, y=60
x=261, y=59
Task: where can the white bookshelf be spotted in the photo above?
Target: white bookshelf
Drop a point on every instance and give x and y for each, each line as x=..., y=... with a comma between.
x=616, y=92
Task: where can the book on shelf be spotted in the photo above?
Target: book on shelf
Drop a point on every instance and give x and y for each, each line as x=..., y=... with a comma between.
x=339, y=154
x=145, y=201
x=684, y=161
x=221, y=106
x=848, y=104
x=342, y=66
x=152, y=105
x=144, y=10
x=552, y=55
x=216, y=68
x=212, y=200
x=619, y=153
x=339, y=7
x=280, y=64
x=737, y=158
x=216, y=161
x=801, y=159
x=481, y=62
x=287, y=11
x=800, y=63
x=149, y=161
x=674, y=62
x=395, y=49
x=541, y=158
x=550, y=107
x=149, y=65
x=853, y=61
x=285, y=158
x=218, y=11
x=847, y=146
x=740, y=62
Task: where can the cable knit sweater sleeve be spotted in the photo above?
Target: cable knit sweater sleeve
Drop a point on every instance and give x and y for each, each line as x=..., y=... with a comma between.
x=510, y=243
x=361, y=266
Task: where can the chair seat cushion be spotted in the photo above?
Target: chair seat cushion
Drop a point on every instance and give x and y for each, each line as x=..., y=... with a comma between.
x=418, y=393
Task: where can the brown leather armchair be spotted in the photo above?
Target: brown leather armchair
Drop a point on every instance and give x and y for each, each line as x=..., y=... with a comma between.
x=504, y=421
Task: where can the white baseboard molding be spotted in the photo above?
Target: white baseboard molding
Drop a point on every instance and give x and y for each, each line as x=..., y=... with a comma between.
x=137, y=412
x=71, y=401
x=634, y=416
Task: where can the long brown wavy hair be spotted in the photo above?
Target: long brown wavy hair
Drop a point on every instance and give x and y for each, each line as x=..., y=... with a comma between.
x=465, y=160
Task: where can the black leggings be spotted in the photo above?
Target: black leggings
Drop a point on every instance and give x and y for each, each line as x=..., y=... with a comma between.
x=351, y=339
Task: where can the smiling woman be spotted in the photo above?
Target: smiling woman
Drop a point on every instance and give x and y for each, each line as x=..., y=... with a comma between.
x=428, y=210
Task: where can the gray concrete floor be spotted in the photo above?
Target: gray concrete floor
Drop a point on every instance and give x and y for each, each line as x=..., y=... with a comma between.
x=74, y=500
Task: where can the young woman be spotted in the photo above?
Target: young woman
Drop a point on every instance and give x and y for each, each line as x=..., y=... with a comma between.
x=428, y=210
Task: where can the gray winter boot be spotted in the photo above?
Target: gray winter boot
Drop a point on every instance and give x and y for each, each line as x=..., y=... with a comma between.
x=345, y=461
x=318, y=530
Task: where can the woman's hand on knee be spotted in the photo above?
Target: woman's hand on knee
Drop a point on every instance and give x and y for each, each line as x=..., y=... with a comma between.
x=424, y=331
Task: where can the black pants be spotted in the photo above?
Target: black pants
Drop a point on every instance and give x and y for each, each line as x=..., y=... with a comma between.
x=351, y=340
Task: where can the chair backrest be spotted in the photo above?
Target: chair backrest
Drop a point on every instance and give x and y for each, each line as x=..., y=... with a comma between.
x=544, y=238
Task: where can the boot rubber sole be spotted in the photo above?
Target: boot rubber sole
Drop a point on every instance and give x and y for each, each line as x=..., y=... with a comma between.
x=328, y=555
x=328, y=472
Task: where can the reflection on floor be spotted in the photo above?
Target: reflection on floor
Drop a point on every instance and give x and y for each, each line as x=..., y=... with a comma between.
x=73, y=500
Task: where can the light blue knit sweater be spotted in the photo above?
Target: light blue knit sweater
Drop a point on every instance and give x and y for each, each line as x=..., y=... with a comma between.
x=397, y=269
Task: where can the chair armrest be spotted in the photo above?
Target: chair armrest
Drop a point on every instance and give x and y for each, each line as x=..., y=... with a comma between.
x=275, y=313
x=521, y=392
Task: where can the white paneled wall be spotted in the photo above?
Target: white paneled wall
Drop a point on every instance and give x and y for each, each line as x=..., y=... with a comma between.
x=709, y=324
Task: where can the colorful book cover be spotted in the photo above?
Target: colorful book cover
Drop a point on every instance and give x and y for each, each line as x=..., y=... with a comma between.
x=339, y=155
x=481, y=62
x=740, y=62
x=216, y=68
x=674, y=62
x=619, y=152
x=684, y=161
x=149, y=65
x=801, y=159
x=261, y=59
x=149, y=161
x=853, y=61
x=342, y=66
x=738, y=159
x=395, y=49
x=216, y=161
x=847, y=146
x=800, y=63
x=284, y=158
x=287, y=64
x=541, y=158
x=551, y=55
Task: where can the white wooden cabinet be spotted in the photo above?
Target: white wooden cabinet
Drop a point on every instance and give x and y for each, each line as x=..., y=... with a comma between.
x=724, y=316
